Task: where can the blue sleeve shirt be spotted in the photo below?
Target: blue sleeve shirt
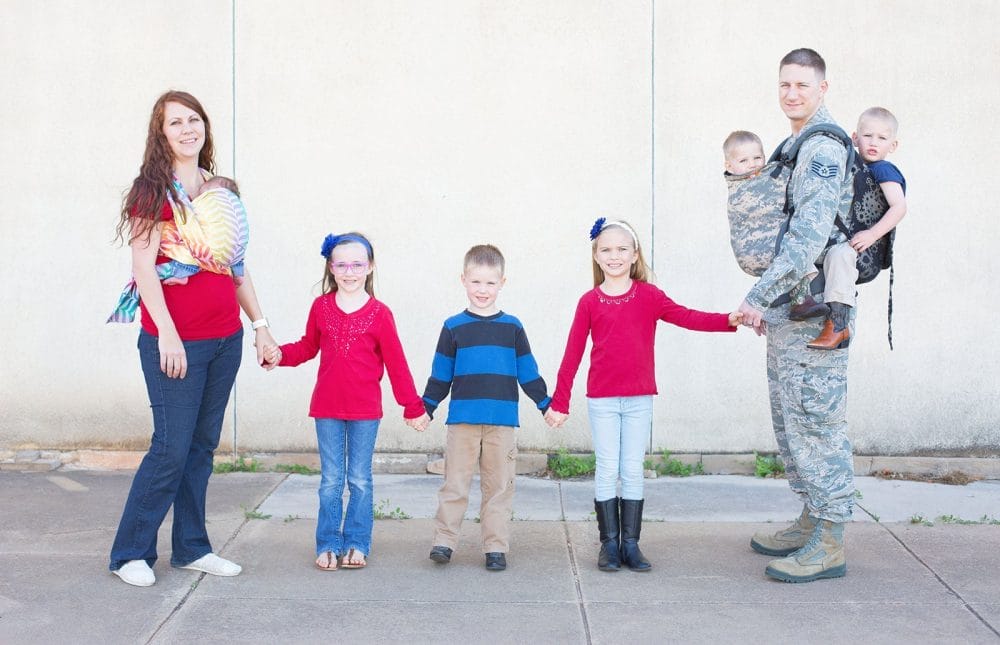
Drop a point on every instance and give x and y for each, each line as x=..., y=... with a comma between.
x=884, y=171
x=481, y=361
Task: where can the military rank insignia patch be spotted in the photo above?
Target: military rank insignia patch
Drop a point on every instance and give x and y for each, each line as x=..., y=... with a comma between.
x=823, y=170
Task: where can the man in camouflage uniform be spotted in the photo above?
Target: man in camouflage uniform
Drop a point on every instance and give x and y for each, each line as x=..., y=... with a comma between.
x=808, y=387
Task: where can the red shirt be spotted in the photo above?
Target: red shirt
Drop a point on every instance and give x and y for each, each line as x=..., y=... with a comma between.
x=623, y=329
x=206, y=307
x=355, y=350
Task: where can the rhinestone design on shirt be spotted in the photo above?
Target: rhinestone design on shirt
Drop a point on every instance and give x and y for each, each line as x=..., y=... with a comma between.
x=616, y=300
x=343, y=329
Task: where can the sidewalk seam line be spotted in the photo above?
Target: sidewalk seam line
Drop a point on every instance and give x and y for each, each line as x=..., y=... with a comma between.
x=934, y=573
x=574, y=568
x=196, y=583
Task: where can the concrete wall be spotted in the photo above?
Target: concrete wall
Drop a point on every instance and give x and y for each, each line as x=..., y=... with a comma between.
x=436, y=125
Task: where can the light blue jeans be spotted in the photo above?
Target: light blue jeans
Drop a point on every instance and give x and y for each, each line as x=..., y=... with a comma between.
x=620, y=428
x=345, y=451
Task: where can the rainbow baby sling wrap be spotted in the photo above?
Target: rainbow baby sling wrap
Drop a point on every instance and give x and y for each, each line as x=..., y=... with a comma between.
x=207, y=233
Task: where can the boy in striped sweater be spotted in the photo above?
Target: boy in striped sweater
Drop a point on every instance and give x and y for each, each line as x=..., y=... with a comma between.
x=482, y=356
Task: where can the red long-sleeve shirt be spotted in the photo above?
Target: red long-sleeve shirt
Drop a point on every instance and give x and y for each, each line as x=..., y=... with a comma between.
x=622, y=329
x=355, y=350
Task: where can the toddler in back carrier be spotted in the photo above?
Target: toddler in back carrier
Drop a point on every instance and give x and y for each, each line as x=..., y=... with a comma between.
x=875, y=138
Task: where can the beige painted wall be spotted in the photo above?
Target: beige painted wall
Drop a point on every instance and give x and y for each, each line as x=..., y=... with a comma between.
x=436, y=125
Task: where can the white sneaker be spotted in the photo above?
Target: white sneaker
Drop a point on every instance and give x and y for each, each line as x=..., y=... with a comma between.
x=136, y=573
x=214, y=565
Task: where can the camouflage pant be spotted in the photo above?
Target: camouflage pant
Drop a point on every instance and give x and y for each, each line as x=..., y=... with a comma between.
x=808, y=391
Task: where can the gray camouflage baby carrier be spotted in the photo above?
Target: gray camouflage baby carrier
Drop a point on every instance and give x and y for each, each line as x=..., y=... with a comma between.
x=760, y=208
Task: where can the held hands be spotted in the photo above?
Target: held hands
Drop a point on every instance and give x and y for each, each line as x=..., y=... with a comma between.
x=863, y=240
x=272, y=356
x=268, y=352
x=750, y=317
x=735, y=318
x=555, y=419
x=420, y=423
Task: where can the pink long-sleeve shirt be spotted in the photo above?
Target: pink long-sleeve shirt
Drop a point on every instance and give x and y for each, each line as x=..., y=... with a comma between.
x=622, y=329
x=355, y=349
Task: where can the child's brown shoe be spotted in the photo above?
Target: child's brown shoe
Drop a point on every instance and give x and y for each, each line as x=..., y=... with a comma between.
x=836, y=332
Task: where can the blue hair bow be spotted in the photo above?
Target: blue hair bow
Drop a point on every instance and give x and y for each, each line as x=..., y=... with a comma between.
x=331, y=241
x=598, y=226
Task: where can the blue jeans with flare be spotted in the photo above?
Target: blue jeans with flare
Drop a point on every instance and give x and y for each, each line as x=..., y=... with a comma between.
x=187, y=422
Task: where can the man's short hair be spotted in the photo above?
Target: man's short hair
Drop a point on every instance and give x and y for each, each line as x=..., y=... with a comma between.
x=881, y=114
x=738, y=138
x=485, y=255
x=805, y=57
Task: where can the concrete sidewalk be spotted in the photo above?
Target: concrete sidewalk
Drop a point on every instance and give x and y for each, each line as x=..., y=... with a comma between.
x=907, y=582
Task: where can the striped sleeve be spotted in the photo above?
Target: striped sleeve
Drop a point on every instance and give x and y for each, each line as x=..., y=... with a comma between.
x=442, y=372
x=527, y=372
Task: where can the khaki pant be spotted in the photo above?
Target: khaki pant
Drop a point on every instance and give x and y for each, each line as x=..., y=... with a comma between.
x=495, y=448
x=841, y=270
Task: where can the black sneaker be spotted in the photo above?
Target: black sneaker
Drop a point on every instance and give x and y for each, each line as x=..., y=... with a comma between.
x=496, y=561
x=441, y=554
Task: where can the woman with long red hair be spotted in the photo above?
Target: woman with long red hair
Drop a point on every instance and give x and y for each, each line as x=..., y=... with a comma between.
x=190, y=344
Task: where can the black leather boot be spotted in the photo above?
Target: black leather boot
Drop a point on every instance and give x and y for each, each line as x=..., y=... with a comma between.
x=631, y=521
x=608, y=525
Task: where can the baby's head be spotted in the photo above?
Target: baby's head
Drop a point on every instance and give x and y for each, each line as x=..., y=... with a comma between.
x=744, y=153
x=219, y=181
x=876, y=134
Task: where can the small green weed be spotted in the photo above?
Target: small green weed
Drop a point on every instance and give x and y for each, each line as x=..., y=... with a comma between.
x=291, y=518
x=295, y=469
x=858, y=494
x=952, y=519
x=563, y=465
x=254, y=514
x=919, y=519
x=767, y=465
x=241, y=465
x=381, y=511
x=671, y=467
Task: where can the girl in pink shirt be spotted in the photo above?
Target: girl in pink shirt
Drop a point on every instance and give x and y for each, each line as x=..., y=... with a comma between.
x=620, y=315
x=355, y=335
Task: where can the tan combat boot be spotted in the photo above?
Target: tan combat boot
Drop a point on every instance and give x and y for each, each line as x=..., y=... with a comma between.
x=786, y=540
x=822, y=557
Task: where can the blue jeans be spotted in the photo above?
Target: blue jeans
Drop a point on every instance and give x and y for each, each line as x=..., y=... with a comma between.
x=620, y=428
x=187, y=421
x=345, y=446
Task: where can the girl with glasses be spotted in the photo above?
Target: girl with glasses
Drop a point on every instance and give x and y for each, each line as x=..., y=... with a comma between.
x=355, y=335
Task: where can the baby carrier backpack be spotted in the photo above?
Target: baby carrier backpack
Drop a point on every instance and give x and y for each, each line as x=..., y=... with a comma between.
x=760, y=208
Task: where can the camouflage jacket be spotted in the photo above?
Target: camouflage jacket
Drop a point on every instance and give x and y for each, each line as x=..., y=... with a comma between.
x=817, y=185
